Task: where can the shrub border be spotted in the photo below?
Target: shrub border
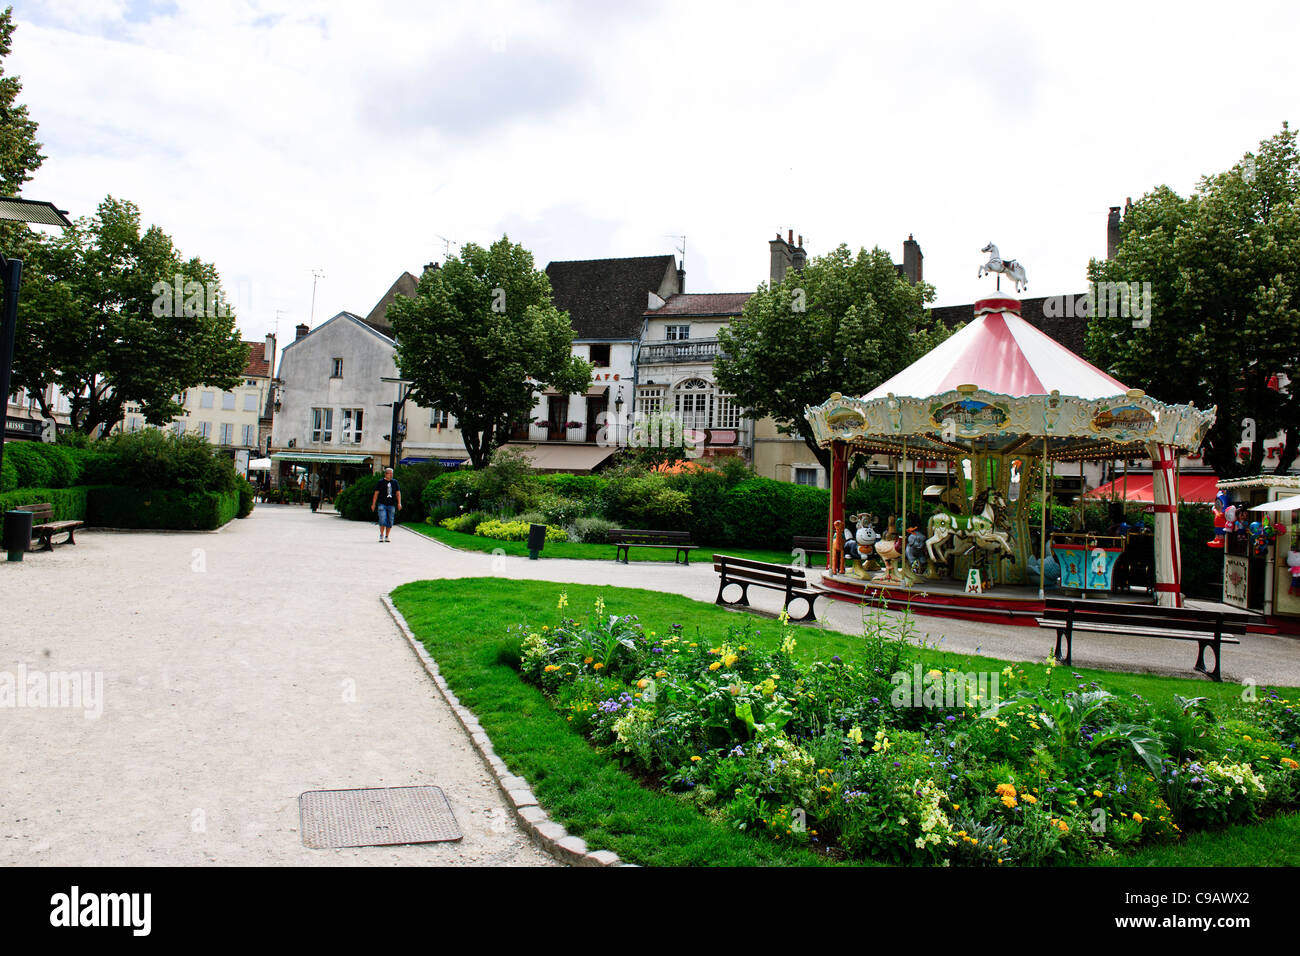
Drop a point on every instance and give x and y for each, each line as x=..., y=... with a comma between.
x=541, y=829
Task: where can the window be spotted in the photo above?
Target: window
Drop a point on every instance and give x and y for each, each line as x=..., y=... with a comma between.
x=439, y=419
x=322, y=425
x=249, y=436
x=676, y=333
x=600, y=354
x=649, y=401
x=178, y=428
x=250, y=402
x=807, y=476
x=227, y=401
x=692, y=403
x=251, y=382
x=227, y=434
x=205, y=430
x=726, y=413
x=351, y=426
x=133, y=424
x=205, y=400
x=336, y=367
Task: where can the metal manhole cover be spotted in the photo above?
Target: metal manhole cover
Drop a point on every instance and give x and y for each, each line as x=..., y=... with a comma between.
x=380, y=817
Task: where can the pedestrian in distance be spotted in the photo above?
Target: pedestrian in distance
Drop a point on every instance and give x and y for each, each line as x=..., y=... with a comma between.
x=313, y=491
x=386, y=502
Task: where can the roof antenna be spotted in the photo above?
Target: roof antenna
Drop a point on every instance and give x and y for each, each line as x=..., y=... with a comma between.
x=446, y=247
x=316, y=276
x=681, y=249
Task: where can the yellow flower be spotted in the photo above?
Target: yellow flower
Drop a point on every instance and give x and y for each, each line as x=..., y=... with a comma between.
x=1008, y=802
x=715, y=665
x=730, y=659
x=563, y=602
x=642, y=683
x=1096, y=793
x=696, y=759
x=597, y=666
x=587, y=660
x=1137, y=818
x=551, y=667
x=1291, y=763
x=661, y=673
x=1006, y=790
x=1028, y=798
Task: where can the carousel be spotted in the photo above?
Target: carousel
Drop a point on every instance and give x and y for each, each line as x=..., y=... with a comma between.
x=1004, y=406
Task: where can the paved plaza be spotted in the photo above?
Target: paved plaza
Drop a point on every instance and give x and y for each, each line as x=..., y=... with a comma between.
x=243, y=667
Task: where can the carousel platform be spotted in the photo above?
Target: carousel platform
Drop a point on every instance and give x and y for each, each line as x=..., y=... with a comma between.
x=1014, y=604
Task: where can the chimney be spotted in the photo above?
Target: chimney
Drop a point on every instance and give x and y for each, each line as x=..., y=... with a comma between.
x=912, y=260
x=798, y=258
x=1112, y=232
x=782, y=257
x=681, y=281
x=302, y=331
x=268, y=352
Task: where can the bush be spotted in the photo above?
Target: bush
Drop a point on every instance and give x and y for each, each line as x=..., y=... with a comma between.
x=354, y=502
x=168, y=509
x=246, y=493
x=763, y=513
x=515, y=531
x=585, y=488
x=465, y=524
x=69, y=503
x=635, y=498
x=592, y=530
x=150, y=459
x=556, y=509
x=509, y=484
x=706, y=491
x=413, y=479
x=8, y=475
x=451, y=492
x=34, y=469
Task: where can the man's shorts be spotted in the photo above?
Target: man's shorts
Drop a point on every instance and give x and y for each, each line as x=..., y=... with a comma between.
x=386, y=515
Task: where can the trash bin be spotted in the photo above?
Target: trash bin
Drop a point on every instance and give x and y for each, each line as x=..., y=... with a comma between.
x=17, y=533
x=536, y=540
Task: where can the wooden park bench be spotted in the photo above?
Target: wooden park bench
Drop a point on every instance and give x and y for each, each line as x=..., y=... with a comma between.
x=679, y=541
x=777, y=577
x=44, y=527
x=810, y=544
x=1210, y=629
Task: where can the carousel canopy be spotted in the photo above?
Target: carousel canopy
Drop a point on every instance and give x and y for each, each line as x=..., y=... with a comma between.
x=1001, y=386
x=1001, y=352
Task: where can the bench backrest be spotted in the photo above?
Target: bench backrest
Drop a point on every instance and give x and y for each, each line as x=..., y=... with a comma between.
x=1147, y=615
x=809, y=542
x=631, y=536
x=758, y=572
x=41, y=513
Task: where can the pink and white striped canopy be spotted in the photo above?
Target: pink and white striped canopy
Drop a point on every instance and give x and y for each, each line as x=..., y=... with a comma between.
x=1001, y=352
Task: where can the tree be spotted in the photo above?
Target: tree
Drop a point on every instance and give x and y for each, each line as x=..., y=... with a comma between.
x=113, y=316
x=1223, y=317
x=844, y=324
x=481, y=339
x=20, y=154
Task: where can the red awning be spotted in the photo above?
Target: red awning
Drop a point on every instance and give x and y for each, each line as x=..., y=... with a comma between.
x=1193, y=489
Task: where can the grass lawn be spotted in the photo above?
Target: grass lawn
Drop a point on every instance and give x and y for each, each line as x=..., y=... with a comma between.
x=463, y=624
x=596, y=552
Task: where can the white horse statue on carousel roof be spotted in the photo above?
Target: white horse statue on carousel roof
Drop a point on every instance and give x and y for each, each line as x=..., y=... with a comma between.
x=1008, y=267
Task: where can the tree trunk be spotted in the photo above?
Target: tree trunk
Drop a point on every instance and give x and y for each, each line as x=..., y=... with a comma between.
x=1289, y=451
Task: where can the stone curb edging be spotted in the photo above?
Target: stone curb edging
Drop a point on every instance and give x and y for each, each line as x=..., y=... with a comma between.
x=541, y=829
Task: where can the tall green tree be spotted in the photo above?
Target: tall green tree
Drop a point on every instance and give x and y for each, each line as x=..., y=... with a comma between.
x=844, y=324
x=113, y=315
x=20, y=154
x=1224, y=312
x=481, y=339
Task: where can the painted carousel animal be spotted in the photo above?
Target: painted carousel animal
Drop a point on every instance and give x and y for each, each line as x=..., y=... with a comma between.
x=1008, y=267
x=984, y=529
x=865, y=539
x=890, y=551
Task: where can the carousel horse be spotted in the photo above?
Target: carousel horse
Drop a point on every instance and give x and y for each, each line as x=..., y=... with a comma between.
x=1009, y=267
x=985, y=530
x=944, y=528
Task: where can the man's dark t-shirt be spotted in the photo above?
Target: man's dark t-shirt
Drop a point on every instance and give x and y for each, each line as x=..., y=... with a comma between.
x=388, y=489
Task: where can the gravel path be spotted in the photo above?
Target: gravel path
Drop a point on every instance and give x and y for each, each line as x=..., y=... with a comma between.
x=244, y=667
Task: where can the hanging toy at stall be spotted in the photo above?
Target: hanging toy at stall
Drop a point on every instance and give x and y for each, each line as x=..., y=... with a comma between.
x=1267, y=535
x=1293, y=562
x=1256, y=532
x=1220, y=521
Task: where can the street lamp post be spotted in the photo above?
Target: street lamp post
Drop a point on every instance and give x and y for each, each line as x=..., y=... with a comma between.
x=404, y=389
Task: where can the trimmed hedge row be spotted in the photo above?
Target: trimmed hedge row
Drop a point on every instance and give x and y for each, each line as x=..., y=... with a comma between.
x=31, y=464
x=170, y=510
x=69, y=503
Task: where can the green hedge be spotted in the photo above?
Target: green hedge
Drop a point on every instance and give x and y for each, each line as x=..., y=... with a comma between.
x=354, y=502
x=172, y=510
x=69, y=503
x=31, y=464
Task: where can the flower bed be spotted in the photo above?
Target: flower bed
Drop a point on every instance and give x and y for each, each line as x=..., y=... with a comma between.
x=873, y=758
x=515, y=531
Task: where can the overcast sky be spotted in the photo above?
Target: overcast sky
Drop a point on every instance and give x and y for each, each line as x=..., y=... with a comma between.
x=354, y=140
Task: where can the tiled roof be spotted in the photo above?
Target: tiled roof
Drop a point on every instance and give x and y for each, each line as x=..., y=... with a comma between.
x=257, y=366
x=1069, y=331
x=606, y=298
x=702, y=303
x=378, y=318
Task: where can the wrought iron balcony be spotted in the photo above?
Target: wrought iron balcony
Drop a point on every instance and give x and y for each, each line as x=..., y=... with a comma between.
x=680, y=351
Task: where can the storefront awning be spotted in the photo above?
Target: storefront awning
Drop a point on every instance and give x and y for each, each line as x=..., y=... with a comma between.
x=561, y=457
x=445, y=462
x=1193, y=489
x=323, y=458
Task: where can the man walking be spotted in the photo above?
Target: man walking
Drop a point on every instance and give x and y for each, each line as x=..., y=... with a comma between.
x=387, y=501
